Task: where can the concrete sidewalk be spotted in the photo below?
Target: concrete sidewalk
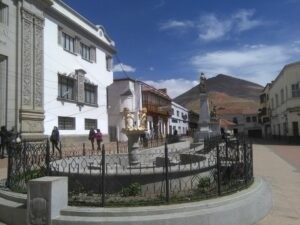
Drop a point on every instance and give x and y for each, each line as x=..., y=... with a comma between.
x=285, y=181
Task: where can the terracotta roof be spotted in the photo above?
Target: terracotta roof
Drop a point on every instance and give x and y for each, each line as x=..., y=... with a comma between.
x=226, y=123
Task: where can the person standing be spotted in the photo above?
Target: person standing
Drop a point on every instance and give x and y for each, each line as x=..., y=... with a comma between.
x=98, y=137
x=3, y=141
x=54, y=138
x=92, y=137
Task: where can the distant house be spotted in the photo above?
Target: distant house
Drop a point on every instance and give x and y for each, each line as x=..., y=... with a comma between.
x=284, y=95
x=136, y=95
x=55, y=66
x=264, y=112
x=179, y=119
x=246, y=122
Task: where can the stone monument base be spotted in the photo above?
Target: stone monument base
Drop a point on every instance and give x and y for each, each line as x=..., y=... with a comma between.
x=205, y=131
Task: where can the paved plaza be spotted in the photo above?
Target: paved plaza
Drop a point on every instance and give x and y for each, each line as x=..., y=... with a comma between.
x=280, y=165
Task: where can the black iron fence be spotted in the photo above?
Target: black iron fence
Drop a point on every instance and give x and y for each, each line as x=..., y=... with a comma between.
x=160, y=175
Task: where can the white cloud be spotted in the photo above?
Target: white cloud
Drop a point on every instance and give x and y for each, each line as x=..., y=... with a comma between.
x=175, y=24
x=160, y=4
x=174, y=87
x=259, y=63
x=211, y=28
x=151, y=68
x=122, y=67
x=243, y=20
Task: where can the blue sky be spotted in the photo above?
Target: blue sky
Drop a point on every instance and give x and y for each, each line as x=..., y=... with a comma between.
x=167, y=43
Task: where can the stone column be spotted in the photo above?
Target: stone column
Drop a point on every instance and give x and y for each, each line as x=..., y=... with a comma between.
x=32, y=79
x=45, y=198
x=80, y=86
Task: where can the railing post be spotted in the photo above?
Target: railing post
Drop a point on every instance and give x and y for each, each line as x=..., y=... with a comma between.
x=245, y=162
x=237, y=150
x=23, y=156
x=226, y=148
x=103, y=177
x=83, y=149
x=167, y=173
x=118, y=147
x=47, y=158
x=9, y=166
x=218, y=171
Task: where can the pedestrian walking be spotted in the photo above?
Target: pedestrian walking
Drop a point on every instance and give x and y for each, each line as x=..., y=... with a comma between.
x=92, y=137
x=98, y=137
x=54, y=138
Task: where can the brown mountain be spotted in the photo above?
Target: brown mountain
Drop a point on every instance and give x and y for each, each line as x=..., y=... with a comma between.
x=231, y=95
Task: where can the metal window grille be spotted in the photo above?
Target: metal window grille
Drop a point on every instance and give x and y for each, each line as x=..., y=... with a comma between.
x=66, y=123
x=90, y=124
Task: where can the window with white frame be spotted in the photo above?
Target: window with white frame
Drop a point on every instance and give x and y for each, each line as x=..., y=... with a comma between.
x=66, y=87
x=90, y=124
x=66, y=123
x=90, y=93
x=3, y=13
x=68, y=42
x=296, y=90
x=85, y=52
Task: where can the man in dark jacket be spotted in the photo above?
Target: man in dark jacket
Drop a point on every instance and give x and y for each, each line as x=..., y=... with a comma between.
x=54, y=138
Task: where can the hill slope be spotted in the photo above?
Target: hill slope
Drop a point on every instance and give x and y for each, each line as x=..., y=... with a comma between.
x=229, y=94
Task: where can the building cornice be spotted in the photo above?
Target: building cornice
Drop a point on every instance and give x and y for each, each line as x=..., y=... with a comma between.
x=62, y=18
x=287, y=66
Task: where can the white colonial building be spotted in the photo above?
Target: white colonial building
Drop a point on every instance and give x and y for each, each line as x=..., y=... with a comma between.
x=136, y=95
x=179, y=120
x=55, y=66
x=284, y=95
x=78, y=68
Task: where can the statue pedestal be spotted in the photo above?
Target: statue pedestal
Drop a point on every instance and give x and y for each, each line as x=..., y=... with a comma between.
x=133, y=145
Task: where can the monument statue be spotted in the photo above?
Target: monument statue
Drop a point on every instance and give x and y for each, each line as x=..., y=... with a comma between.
x=213, y=113
x=143, y=119
x=202, y=85
x=128, y=117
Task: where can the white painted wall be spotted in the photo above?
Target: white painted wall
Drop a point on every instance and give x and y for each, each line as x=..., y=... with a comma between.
x=280, y=115
x=181, y=125
x=117, y=102
x=56, y=60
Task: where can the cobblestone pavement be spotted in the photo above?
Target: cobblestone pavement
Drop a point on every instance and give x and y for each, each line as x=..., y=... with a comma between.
x=280, y=165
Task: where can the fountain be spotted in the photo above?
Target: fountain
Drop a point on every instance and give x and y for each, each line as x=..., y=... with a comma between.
x=133, y=131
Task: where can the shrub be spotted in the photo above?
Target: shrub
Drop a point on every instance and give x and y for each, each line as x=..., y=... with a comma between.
x=204, y=184
x=133, y=189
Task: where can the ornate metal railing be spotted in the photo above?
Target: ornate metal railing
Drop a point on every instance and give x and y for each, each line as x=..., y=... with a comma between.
x=105, y=178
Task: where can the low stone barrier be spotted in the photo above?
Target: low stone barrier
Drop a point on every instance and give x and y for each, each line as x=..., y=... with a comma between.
x=48, y=202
